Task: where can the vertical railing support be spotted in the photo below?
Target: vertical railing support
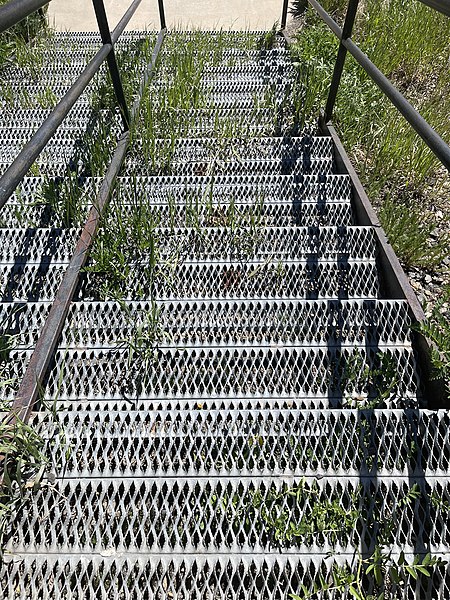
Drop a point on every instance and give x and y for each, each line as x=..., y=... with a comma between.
x=105, y=33
x=340, y=59
x=284, y=15
x=162, y=15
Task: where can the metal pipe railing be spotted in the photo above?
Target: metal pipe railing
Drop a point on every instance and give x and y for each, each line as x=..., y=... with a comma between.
x=284, y=15
x=414, y=118
x=340, y=60
x=32, y=381
x=26, y=157
x=442, y=6
x=16, y=10
x=162, y=14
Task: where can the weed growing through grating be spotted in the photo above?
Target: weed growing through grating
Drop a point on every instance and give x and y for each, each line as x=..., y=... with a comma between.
x=24, y=450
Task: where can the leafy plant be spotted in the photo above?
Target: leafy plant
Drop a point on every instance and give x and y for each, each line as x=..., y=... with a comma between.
x=23, y=463
x=298, y=514
x=382, y=572
x=369, y=386
x=267, y=41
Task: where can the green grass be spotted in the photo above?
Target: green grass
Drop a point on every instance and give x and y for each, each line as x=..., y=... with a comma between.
x=387, y=153
x=13, y=42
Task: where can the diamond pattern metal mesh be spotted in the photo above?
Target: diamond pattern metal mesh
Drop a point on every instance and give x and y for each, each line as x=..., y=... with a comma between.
x=222, y=515
x=282, y=243
x=330, y=323
x=240, y=166
x=30, y=282
x=288, y=148
x=37, y=245
x=246, y=443
x=347, y=377
x=187, y=577
x=244, y=419
x=223, y=280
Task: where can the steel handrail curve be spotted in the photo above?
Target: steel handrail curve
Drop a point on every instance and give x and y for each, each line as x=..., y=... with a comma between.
x=26, y=157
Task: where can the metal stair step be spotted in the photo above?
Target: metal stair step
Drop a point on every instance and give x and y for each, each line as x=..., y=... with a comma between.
x=226, y=122
x=265, y=279
x=206, y=515
x=243, y=443
x=210, y=280
x=243, y=71
x=311, y=377
x=260, y=577
x=263, y=148
x=304, y=188
x=34, y=246
x=18, y=122
x=309, y=323
x=235, y=166
x=37, y=246
x=39, y=95
x=219, y=213
x=30, y=282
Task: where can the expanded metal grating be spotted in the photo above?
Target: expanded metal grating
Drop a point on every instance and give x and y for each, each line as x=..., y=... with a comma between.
x=280, y=148
x=227, y=122
x=37, y=245
x=257, y=243
x=232, y=443
x=345, y=376
x=28, y=118
x=223, y=280
x=220, y=515
x=265, y=577
x=286, y=189
x=236, y=166
x=238, y=410
x=330, y=323
x=21, y=281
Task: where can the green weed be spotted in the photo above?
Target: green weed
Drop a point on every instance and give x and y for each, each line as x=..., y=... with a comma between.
x=437, y=329
x=385, y=149
x=409, y=232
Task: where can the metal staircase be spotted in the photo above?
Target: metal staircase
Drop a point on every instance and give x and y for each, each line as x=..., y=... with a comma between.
x=246, y=419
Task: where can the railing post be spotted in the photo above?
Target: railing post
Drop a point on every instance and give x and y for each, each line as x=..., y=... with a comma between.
x=340, y=59
x=162, y=15
x=284, y=14
x=105, y=33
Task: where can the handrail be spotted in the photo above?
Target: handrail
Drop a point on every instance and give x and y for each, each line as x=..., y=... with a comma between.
x=26, y=157
x=414, y=118
x=16, y=10
x=442, y=6
x=35, y=372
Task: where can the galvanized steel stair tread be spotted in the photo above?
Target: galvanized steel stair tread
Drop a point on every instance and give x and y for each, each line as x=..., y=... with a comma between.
x=301, y=213
x=344, y=443
x=330, y=323
x=32, y=245
x=235, y=166
x=245, y=392
x=225, y=575
x=255, y=148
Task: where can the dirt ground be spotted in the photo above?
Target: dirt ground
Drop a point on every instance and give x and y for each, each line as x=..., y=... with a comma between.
x=78, y=15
